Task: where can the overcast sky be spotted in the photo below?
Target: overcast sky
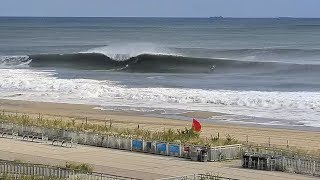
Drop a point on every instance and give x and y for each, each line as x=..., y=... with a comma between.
x=161, y=8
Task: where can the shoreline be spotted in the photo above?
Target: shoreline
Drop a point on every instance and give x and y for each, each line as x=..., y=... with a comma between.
x=303, y=139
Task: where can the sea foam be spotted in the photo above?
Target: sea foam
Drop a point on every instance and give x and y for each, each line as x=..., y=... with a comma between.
x=14, y=61
x=45, y=86
x=121, y=52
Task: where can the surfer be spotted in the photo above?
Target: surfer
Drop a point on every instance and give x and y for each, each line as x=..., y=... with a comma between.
x=213, y=67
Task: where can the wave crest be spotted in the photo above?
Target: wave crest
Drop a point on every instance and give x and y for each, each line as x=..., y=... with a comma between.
x=154, y=63
x=14, y=61
x=122, y=52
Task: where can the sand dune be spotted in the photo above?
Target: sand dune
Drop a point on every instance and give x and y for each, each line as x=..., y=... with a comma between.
x=307, y=140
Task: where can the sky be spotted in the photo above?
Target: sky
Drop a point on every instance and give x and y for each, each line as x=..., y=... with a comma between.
x=161, y=8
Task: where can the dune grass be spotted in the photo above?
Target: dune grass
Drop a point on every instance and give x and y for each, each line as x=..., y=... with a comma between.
x=186, y=136
x=82, y=167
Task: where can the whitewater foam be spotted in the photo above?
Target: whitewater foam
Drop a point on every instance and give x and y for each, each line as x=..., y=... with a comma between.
x=121, y=52
x=45, y=86
x=14, y=61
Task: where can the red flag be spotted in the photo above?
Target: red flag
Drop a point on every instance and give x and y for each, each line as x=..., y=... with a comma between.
x=196, y=125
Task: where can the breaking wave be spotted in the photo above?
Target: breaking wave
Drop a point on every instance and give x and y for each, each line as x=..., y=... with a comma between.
x=149, y=63
x=14, y=61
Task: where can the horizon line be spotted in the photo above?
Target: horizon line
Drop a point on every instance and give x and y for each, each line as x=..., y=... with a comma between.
x=186, y=17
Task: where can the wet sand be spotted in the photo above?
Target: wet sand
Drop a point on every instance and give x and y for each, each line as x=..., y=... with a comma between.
x=302, y=139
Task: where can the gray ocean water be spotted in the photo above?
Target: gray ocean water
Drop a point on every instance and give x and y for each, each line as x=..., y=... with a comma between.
x=266, y=69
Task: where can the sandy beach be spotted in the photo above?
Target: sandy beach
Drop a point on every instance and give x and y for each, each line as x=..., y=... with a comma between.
x=305, y=140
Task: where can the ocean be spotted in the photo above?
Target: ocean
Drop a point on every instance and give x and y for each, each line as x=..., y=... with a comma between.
x=252, y=71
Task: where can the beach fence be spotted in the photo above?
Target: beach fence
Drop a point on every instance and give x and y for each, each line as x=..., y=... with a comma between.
x=227, y=152
x=273, y=159
x=18, y=170
x=292, y=164
x=69, y=138
x=154, y=147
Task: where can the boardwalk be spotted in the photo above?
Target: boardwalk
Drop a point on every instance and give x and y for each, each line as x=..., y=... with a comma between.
x=138, y=165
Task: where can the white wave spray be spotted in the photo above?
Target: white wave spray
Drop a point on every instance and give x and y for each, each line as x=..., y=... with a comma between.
x=14, y=61
x=301, y=107
x=121, y=52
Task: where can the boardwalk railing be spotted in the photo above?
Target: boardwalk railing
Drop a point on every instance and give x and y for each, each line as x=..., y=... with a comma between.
x=71, y=138
x=300, y=165
x=18, y=170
